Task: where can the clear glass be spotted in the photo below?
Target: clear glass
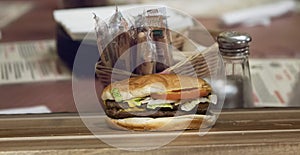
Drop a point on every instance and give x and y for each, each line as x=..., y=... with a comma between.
x=87, y=92
x=238, y=86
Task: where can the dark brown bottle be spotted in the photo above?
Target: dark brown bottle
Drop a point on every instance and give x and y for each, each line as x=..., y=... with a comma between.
x=234, y=48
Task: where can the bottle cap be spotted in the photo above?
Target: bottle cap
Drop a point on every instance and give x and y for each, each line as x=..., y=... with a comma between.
x=234, y=43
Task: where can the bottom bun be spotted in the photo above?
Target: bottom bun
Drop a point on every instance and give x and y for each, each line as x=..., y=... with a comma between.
x=185, y=122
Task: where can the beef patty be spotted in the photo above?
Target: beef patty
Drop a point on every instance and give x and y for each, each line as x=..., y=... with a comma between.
x=119, y=110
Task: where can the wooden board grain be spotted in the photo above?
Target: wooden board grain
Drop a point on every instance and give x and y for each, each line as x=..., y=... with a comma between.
x=240, y=131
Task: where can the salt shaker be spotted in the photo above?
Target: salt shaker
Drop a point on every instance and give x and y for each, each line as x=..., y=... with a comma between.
x=234, y=48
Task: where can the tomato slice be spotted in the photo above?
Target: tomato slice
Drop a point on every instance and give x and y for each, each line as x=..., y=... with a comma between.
x=179, y=95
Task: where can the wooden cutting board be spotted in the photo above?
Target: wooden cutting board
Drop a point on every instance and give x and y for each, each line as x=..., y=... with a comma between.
x=256, y=131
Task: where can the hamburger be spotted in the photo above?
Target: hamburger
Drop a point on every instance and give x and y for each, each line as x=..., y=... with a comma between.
x=158, y=102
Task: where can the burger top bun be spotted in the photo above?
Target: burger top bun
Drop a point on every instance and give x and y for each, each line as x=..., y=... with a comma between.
x=163, y=123
x=154, y=83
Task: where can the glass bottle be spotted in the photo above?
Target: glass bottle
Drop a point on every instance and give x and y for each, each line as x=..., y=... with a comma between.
x=234, y=48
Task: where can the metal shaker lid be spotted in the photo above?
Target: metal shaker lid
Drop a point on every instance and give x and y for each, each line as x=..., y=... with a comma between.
x=232, y=43
x=233, y=40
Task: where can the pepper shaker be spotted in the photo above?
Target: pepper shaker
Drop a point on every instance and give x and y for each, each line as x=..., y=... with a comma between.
x=234, y=49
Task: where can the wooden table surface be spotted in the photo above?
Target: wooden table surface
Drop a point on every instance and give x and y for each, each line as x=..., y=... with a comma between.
x=264, y=131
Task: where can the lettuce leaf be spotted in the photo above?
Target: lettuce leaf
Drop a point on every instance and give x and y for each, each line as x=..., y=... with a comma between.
x=136, y=102
x=116, y=94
